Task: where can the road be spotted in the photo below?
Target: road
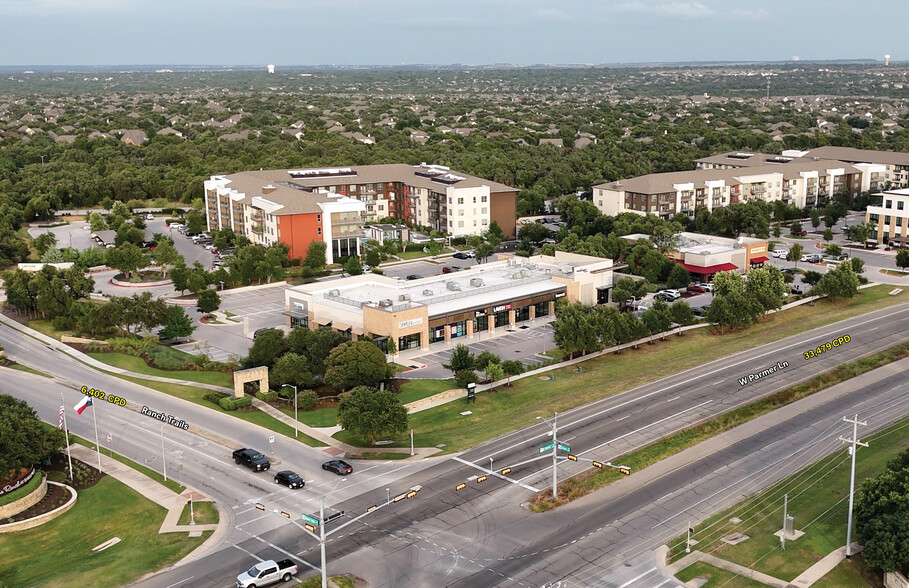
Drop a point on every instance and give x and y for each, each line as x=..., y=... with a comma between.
x=481, y=536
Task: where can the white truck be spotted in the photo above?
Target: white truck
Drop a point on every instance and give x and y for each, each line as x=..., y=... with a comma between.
x=267, y=572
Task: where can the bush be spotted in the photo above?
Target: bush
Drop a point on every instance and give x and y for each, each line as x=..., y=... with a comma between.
x=231, y=403
x=214, y=397
x=307, y=399
x=464, y=377
x=63, y=323
x=414, y=247
x=269, y=396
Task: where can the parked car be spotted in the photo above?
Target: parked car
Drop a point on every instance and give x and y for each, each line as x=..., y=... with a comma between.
x=414, y=277
x=338, y=466
x=799, y=233
x=463, y=255
x=788, y=270
x=251, y=459
x=258, y=332
x=696, y=288
x=449, y=269
x=839, y=257
x=700, y=310
x=779, y=253
x=669, y=295
x=289, y=479
x=149, y=216
x=267, y=572
x=811, y=258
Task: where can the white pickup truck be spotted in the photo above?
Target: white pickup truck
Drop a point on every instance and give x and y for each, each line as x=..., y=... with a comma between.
x=267, y=572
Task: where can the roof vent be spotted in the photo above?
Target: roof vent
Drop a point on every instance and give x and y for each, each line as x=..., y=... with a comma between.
x=403, y=297
x=385, y=302
x=428, y=292
x=334, y=292
x=454, y=286
x=476, y=282
x=268, y=189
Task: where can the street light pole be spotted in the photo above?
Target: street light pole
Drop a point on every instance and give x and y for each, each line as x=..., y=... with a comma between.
x=295, y=406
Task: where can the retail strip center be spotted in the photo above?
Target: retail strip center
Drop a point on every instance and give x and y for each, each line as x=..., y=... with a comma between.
x=417, y=313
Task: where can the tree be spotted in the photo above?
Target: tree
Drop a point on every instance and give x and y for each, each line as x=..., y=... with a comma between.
x=208, y=301
x=291, y=368
x=657, y=317
x=795, y=254
x=167, y=255
x=678, y=277
x=179, y=324
x=24, y=441
x=882, y=517
x=266, y=349
x=484, y=359
x=766, y=286
x=828, y=234
x=576, y=328
x=464, y=377
x=44, y=242
x=369, y=414
x=512, y=367
x=356, y=363
x=127, y=258
x=315, y=255
x=483, y=250
x=795, y=227
x=195, y=223
x=495, y=234
x=902, y=258
x=353, y=266
x=494, y=372
x=461, y=359
x=841, y=282
x=833, y=250
x=373, y=258
x=815, y=218
x=859, y=233
x=315, y=345
x=680, y=312
x=434, y=247
x=391, y=347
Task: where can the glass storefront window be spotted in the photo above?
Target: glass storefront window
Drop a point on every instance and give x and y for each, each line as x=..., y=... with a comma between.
x=482, y=324
x=522, y=314
x=502, y=318
x=299, y=322
x=409, y=342
x=542, y=309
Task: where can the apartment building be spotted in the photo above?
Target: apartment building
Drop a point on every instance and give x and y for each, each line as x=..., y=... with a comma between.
x=882, y=167
x=892, y=217
x=803, y=182
x=298, y=206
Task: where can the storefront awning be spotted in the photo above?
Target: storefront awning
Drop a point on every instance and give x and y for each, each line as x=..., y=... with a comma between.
x=340, y=326
x=761, y=259
x=358, y=331
x=294, y=314
x=710, y=269
x=323, y=322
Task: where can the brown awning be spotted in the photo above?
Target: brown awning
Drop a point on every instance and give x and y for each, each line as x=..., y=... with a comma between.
x=340, y=326
x=358, y=331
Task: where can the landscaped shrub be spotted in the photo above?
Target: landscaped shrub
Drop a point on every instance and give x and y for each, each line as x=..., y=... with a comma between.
x=269, y=396
x=307, y=399
x=214, y=397
x=62, y=323
x=231, y=403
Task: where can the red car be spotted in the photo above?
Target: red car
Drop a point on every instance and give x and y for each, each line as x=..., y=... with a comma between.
x=799, y=233
x=696, y=288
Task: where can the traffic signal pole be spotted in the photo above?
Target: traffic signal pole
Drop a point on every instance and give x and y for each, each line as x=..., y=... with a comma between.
x=555, y=460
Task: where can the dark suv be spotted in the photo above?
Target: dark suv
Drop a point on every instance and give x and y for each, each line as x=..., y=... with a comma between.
x=251, y=459
x=340, y=467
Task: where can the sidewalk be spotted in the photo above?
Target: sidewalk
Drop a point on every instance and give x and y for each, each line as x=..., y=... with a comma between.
x=157, y=493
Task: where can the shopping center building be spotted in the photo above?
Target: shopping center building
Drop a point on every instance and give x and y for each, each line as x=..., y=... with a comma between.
x=479, y=301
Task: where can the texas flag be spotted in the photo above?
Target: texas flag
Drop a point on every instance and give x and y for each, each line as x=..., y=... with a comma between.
x=83, y=404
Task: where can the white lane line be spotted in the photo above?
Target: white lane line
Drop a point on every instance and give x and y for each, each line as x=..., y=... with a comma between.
x=623, y=418
x=672, y=416
x=674, y=398
x=633, y=580
x=248, y=552
x=240, y=526
x=496, y=474
x=181, y=581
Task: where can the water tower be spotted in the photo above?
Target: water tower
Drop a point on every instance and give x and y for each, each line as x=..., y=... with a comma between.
x=886, y=60
x=271, y=68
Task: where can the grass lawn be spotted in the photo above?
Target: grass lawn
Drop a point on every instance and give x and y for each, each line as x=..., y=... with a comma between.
x=25, y=368
x=204, y=513
x=45, y=327
x=378, y=455
x=321, y=417
x=316, y=582
x=818, y=499
x=716, y=577
x=412, y=255
x=850, y=572
x=509, y=408
x=108, y=509
x=138, y=365
x=195, y=395
x=174, y=486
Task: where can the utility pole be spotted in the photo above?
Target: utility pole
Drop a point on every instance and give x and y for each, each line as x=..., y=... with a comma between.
x=855, y=442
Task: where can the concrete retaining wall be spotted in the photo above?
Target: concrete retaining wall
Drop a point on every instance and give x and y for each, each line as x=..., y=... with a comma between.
x=436, y=397
x=49, y=516
x=17, y=506
x=895, y=580
x=68, y=339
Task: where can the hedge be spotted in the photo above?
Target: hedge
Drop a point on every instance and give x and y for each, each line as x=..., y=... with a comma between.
x=230, y=403
x=269, y=396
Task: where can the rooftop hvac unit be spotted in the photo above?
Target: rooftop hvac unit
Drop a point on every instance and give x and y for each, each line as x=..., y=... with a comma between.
x=531, y=266
x=476, y=282
x=385, y=302
x=334, y=292
x=453, y=286
x=403, y=297
x=547, y=271
x=566, y=268
x=428, y=292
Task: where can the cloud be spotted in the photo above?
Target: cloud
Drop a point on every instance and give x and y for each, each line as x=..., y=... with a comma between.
x=56, y=7
x=552, y=14
x=759, y=14
x=684, y=10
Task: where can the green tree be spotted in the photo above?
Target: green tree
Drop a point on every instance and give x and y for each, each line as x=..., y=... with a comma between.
x=484, y=359
x=315, y=255
x=495, y=234
x=882, y=517
x=902, y=258
x=353, y=266
x=461, y=359
x=828, y=234
x=266, y=349
x=373, y=258
x=766, y=286
x=494, y=372
x=434, y=247
x=291, y=368
x=483, y=251
x=841, y=282
x=576, y=328
x=179, y=324
x=795, y=227
x=512, y=367
x=24, y=441
x=356, y=363
x=369, y=414
x=167, y=255
x=795, y=254
x=858, y=265
x=127, y=258
x=464, y=377
x=195, y=222
x=208, y=301
x=44, y=242
x=657, y=318
x=680, y=312
x=815, y=218
x=678, y=277
x=833, y=250
x=96, y=222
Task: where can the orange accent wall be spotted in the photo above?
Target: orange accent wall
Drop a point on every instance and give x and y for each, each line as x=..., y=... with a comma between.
x=297, y=231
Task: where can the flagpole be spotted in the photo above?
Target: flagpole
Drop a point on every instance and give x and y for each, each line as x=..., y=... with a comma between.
x=97, y=444
x=69, y=456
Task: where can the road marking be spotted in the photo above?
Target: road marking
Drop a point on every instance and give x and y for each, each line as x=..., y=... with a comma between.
x=493, y=473
x=633, y=580
x=672, y=416
x=248, y=552
x=671, y=399
x=240, y=526
x=181, y=581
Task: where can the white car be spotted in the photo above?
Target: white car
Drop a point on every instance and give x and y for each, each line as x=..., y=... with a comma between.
x=779, y=254
x=668, y=295
x=149, y=216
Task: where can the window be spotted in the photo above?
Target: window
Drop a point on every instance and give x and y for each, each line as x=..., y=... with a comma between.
x=461, y=212
x=483, y=199
x=319, y=230
x=353, y=187
x=483, y=210
x=899, y=204
x=474, y=199
x=460, y=201
x=888, y=204
x=409, y=342
x=318, y=218
x=380, y=186
x=485, y=221
x=460, y=224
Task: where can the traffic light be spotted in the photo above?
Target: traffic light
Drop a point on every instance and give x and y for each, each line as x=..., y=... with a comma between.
x=597, y=464
x=481, y=479
x=410, y=494
x=260, y=506
x=506, y=471
x=572, y=457
x=333, y=516
x=625, y=470
x=460, y=486
x=372, y=508
x=310, y=528
x=286, y=515
x=399, y=498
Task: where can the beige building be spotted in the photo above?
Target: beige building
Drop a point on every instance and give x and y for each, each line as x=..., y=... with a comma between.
x=482, y=300
x=892, y=217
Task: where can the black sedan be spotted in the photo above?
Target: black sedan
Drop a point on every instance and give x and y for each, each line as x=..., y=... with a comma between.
x=463, y=255
x=289, y=479
x=414, y=277
x=338, y=466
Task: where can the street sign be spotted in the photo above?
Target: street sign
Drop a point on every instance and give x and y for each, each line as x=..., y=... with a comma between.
x=565, y=448
x=271, y=439
x=311, y=520
x=547, y=447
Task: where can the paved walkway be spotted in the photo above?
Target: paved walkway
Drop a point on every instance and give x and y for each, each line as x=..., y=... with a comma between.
x=157, y=493
x=805, y=579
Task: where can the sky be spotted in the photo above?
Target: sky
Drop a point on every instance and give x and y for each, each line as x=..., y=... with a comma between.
x=469, y=32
